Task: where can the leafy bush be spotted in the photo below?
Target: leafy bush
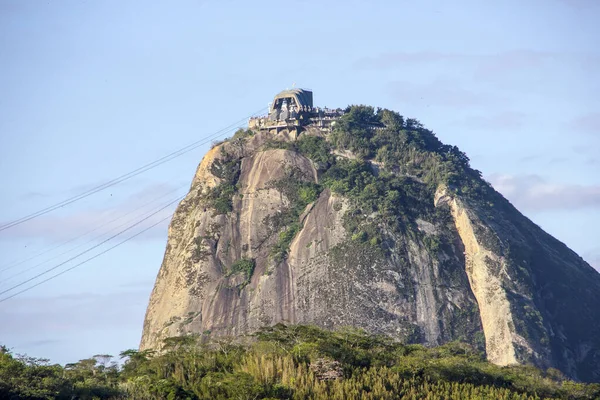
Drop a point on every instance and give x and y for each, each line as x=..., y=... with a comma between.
x=289, y=362
x=405, y=145
x=243, y=133
x=244, y=266
x=317, y=149
x=220, y=197
x=280, y=250
x=300, y=192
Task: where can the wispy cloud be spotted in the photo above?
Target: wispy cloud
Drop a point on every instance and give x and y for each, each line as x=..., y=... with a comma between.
x=134, y=183
x=506, y=120
x=587, y=123
x=137, y=285
x=485, y=63
x=38, y=343
x=540, y=159
x=103, y=221
x=66, y=313
x=486, y=67
x=392, y=60
x=60, y=327
x=442, y=92
x=595, y=262
x=51, y=196
x=530, y=158
x=580, y=4
x=534, y=193
x=494, y=65
x=7, y=7
x=592, y=256
x=588, y=147
x=33, y=195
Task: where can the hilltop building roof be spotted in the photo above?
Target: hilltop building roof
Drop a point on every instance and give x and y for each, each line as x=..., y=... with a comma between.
x=294, y=97
x=293, y=110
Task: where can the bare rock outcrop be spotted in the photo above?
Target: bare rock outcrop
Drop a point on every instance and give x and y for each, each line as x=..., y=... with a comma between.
x=255, y=244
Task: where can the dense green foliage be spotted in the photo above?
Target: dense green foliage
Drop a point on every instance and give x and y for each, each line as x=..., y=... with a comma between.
x=23, y=377
x=391, y=200
x=388, y=169
x=398, y=167
x=243, y=266
x=300, y=192
x=242, y=133
x=405, y=146
x=228, y=170
x=392, y=181
x=317, y=149
x=296, y=362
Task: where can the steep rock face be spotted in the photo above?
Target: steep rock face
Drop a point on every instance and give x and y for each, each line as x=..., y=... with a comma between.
x=450, y=269
x=486, y=284
x=533, y=292
x=325, y=280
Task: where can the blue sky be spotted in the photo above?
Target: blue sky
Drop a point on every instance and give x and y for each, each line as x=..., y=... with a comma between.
x=91, y=90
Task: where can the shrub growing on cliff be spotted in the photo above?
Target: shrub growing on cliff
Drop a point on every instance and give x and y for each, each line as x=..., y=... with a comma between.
x=300, y=191
x=317, y=149
x=227, y=169
x=406, y=146
x=244, y=266
x=280, y=250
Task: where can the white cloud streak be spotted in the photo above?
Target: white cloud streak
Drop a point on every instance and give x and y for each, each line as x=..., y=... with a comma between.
x=442, y=92
x=55, y=228
x=534, y=193
x=485, y=65
x=587, y=123
x=67, y=313
x=506, y=120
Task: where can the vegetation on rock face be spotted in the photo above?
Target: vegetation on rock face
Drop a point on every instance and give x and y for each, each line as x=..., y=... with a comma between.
x=317, y=149
x=242, y=133
x=295, y=362
x=388, y=169
x=398, y=168
x=415, y=163
x=405, y=147
x=300, y=192
x=228, y=170
x=243, y=266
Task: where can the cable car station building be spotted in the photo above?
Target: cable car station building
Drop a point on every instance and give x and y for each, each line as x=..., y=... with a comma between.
x=293, y=110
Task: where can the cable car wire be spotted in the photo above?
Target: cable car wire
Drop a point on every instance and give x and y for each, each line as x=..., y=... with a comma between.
x=16, y=263
x=129, y=175
x=82, y=244
x=91, y=248
x=85, y=261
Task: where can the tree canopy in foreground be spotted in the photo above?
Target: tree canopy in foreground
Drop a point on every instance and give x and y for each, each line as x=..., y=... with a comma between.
x=286, y=362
